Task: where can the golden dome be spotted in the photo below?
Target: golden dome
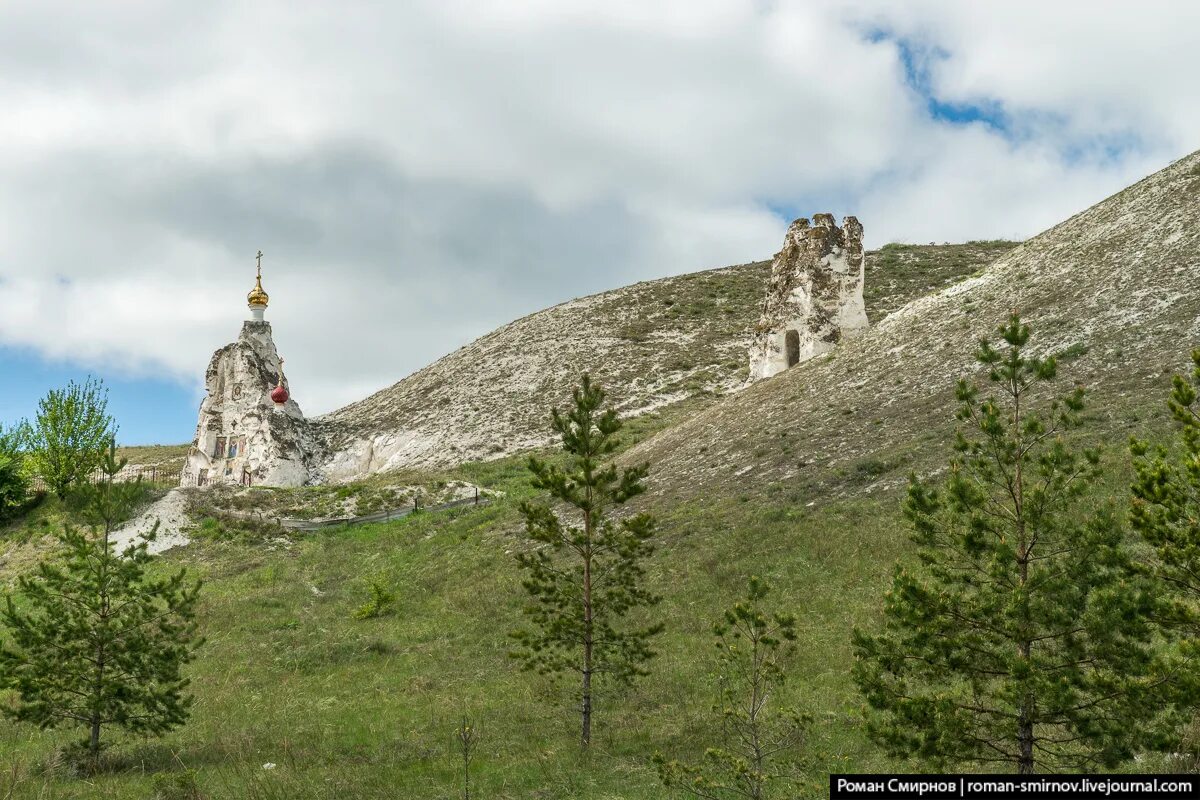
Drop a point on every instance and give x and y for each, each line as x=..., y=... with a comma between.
x=257, y=296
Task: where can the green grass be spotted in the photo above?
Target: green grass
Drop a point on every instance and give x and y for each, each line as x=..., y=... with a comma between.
x=167, y=457
x=897, y=274
x=389, y=490
x=365, y=708
x=26, y=537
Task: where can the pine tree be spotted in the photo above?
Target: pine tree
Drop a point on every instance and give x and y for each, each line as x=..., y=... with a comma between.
x=760, y=757
x=585, y=579
x=70, y=432
x=1022, y=637
x=95, y=638
x=1165, y=512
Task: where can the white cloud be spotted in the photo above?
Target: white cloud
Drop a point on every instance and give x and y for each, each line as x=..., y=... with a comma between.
x=1100, y=68
x=970, y=184
x=419, y=173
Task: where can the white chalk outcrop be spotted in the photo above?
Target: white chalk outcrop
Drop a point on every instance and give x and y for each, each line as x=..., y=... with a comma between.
x=815, y=297
x=242, y=437
x=168, y=513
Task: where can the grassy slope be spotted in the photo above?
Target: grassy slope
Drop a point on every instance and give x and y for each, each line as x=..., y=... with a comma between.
x=24, y=538
x=350, y=708
x=168, y=458
x=897, y=274
x=389, y=490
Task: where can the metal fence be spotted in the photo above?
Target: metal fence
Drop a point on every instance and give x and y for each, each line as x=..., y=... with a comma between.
x=387, y=515
x=146, y=474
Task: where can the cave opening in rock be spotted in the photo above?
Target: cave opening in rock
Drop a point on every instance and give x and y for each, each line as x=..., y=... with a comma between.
x=791, y=342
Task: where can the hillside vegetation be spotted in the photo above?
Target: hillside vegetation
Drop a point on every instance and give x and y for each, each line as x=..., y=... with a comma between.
x=344, y=707
x=340, y=707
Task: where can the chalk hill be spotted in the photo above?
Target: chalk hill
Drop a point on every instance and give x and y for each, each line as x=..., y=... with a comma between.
x=1115, y=290
x=650, y=344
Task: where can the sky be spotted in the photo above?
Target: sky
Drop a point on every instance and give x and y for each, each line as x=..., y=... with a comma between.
x=420, y=173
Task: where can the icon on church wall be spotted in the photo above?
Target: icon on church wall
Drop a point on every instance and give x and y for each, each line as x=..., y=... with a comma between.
x=233, y=448
x=237, y=391
x=219, y=450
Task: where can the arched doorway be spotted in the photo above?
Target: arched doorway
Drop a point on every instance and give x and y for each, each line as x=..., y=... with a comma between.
x=791, y=346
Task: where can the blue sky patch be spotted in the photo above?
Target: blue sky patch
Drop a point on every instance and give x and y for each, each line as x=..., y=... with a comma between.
x=147, y=410
x=918, y=60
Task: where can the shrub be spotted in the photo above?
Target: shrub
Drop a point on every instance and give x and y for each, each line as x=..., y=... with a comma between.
x=381, y=602
x=14, y=479
x=175, y=786
x=763, y=740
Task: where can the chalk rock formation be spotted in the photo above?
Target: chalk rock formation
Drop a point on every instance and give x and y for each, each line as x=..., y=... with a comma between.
x=242, y=436
x=815, y=297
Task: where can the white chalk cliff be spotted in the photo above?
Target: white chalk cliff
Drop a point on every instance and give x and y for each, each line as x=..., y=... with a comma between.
x=815, y=297
x=243, y=435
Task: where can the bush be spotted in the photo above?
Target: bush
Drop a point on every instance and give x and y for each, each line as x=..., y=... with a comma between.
x=382, y=599
x=175, y=786
x=1073, y=352
x=210, y=528
x=14, y=485
x=14, y=479
x=761, y=751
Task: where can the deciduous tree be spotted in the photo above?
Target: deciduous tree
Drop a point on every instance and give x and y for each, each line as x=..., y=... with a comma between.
x=14, y=478
x=69, y=434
